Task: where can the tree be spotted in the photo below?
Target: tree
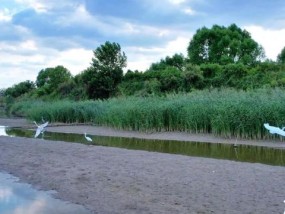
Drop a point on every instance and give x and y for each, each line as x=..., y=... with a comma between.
x=19, y=89
x=281, y=56
x=2, y=92
x=49, y=79
x=177, y=61
x=223, y=46
x=106, y=70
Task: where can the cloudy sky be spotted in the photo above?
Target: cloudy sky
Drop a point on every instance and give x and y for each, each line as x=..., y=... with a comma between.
x=36, y=34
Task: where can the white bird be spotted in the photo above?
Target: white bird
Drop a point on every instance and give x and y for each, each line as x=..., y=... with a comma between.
x=87, y=138
x=274, y=130
x=40, y=128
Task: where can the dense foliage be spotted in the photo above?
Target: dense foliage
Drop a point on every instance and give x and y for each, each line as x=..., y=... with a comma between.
x=19, y=89
x=227, y=113
x=106, y=71
x=217, y=57
x=49, y=79
x=224, y=86
x=224, y=45
x=281, y=56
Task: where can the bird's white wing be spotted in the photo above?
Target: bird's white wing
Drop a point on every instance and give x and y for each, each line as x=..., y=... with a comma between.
x=38, y=132
x=88, y=138
x=267, y=126
x=43, y=125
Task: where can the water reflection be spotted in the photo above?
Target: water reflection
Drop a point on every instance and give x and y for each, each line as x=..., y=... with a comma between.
x=3, y=131
x=18, y=198
x=244, y=153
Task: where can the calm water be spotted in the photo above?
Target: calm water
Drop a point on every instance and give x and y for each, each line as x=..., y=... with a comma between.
x=20, y=198
x=243, y=153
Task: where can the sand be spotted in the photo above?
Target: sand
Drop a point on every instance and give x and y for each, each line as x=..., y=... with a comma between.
x=114, y=180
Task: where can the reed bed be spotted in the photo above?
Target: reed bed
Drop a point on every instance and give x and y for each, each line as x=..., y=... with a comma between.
x=227, y=113
x=58, y=111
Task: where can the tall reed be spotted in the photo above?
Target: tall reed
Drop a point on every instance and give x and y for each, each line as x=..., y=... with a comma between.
x=227, y=113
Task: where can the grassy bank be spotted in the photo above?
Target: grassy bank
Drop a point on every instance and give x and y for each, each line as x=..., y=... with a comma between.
x=227, y=113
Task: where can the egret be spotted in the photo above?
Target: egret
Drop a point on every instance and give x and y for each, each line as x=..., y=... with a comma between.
x=87, y=138
x=40, y=128
x=274, y=130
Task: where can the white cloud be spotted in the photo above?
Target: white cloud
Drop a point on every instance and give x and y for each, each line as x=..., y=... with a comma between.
x=177, y=2
x=130, y=29
x=75, y=60
x=179, y=45
x=21, y=61
x=37, y=5
x=189, y=11
x=37, y=206
x=29, y=45
x=16, y=53
x=5, y=193
x=273, y=41
x=11, y=75
x=182, y=7
x=78, y=15
x=141, y=58
x=5, y=15
x=43, y=6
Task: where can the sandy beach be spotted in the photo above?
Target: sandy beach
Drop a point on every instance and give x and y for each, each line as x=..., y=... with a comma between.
x=113, y=180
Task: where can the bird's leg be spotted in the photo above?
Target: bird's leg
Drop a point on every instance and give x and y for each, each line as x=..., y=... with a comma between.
x=43, y=134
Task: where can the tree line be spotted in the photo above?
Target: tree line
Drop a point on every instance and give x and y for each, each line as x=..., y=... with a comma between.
x=217, y=57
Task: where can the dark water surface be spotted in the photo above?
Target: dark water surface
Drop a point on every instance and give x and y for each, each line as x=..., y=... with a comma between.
x=20, y=198
x=243, y=153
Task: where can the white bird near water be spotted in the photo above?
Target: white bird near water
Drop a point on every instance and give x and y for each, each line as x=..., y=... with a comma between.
x=40, y=128
x=87, y=138
x=274, y=130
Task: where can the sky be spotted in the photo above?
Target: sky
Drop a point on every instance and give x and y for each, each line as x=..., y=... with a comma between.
x=37, y=34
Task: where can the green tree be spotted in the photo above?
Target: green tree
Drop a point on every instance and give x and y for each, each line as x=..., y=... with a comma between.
x=177, y=61
x=192, y=77
x=224, y=45
x=106, y=71
x=132, y=83
x=171, y=80
x=2, y=92
x=49, y=79
x=19, y=89
x=281, y=56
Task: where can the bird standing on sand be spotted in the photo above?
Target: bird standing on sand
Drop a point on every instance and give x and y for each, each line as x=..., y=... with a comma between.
x=87, y=138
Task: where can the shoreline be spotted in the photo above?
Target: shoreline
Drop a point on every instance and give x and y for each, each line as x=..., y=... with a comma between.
x=117, y=181
x=112, y=132
x=113, y=180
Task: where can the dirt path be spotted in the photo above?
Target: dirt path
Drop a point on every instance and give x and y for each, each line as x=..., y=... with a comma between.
x=113, y=180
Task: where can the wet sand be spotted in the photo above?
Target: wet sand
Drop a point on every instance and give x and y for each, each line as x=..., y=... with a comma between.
x=113, y=180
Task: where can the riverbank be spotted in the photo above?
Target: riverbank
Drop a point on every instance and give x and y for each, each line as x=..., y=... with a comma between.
x=106, y=131
x=112, y=180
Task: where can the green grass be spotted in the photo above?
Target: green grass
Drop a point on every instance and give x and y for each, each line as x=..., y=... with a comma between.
x=227, y=113
x=58, y=111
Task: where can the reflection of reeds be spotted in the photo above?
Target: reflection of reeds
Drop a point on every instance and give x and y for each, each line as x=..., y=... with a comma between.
x=243, y=153
x=227, y=113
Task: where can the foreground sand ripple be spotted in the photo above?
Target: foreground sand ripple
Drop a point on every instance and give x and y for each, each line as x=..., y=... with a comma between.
x=113, y=180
